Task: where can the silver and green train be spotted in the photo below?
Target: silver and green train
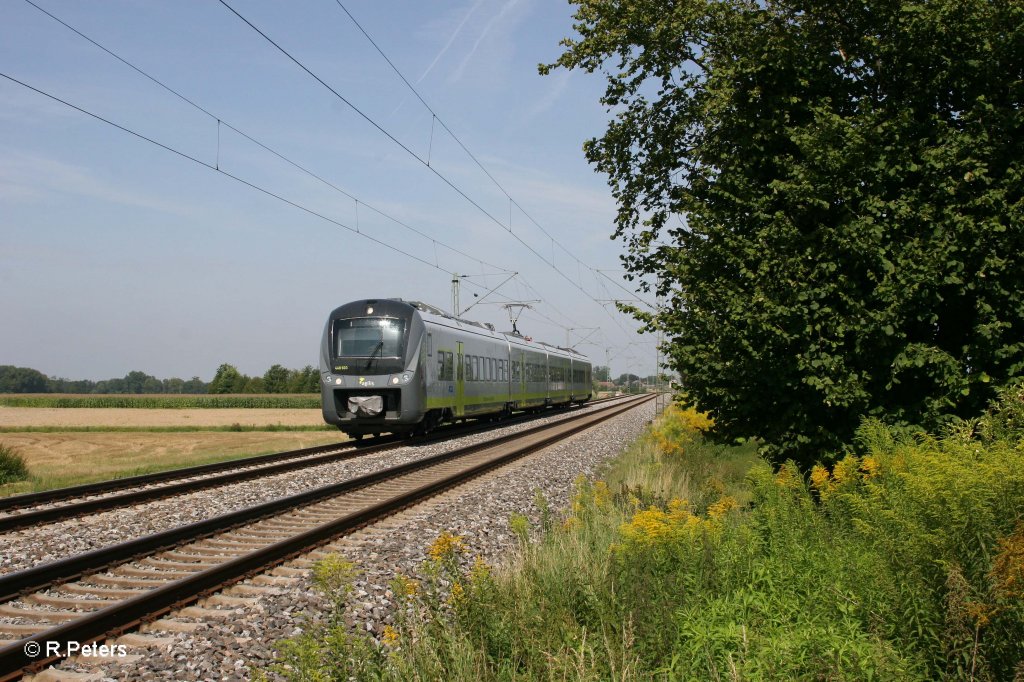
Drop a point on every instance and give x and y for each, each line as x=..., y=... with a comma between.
x=389, y=365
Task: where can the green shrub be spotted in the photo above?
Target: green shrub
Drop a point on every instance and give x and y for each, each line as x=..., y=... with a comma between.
x=12, y=465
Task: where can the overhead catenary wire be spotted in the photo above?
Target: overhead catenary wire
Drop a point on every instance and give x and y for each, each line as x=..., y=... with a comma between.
x=240, y=180
x=436, y=117
x=221, y=122
x=216, y=167
x=410, y=152
x=221, y=171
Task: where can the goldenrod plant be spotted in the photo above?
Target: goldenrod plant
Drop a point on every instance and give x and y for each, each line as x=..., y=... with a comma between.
x=692, y=561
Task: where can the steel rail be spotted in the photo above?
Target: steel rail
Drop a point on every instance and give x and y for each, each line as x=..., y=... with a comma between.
x=237, y=471
x=124, y=615
x=13, y=584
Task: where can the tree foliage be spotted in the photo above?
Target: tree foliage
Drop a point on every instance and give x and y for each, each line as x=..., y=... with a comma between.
x=22, y=380
x=228, y=380
x=829, y=195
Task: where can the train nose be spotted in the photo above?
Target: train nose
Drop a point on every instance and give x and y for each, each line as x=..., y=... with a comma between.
x=366, y=405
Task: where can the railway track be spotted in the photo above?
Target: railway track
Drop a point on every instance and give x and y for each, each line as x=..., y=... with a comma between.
x=24, y=511
x=105, y=592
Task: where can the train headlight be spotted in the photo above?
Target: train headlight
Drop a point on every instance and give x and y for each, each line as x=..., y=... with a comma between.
x=405, y=378
x=327, y=378
x=394, y=380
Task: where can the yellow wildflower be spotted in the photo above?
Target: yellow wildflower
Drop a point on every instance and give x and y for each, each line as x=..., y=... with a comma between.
x=446, y=545
x=390, y=636
x=788, y=476
x=648, y=527
x=458, y=594
x=571, y=523
x=724, y=505
x=1008, y=566
x=979, y=613
x=845, y=469
x=602, y=495
x=480, y=570
x=677, y=505
x=820, y=478
x=405, y=586
x=870, y=466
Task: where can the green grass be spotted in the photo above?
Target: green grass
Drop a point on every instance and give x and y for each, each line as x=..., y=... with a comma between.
x=61, y=459
x=290, y=401
x=693, y=561
x=40, y=483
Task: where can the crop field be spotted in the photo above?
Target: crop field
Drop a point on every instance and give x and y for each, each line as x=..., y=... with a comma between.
x=63, y=446
x=60, y=459
x=98, y=418
x=162, y=401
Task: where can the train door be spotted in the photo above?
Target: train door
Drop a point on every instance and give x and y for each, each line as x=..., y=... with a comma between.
x=460, y=381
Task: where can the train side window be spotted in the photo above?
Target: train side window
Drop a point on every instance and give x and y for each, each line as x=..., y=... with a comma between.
x=491, y=374
x=515, y=371
x=446, y=364
x=430, y=344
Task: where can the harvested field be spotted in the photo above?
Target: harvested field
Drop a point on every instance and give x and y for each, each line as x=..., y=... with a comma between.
x=60, y=459
x=13, y=417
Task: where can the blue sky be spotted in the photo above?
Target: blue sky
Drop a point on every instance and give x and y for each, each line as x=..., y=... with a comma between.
x=117, y=255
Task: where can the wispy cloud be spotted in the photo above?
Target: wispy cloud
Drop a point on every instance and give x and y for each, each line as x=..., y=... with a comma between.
x=480, y=38
x=558, y=84
x=451, y=39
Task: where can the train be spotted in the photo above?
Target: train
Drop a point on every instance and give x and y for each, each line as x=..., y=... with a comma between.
x=405, y=367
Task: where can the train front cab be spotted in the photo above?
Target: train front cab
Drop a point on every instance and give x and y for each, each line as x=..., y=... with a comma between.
x=370, y=367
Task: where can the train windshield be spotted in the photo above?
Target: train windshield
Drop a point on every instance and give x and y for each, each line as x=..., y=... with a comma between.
x=366, y=337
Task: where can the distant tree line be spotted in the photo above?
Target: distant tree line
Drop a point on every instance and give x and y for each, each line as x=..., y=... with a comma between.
x=228, y=379
x=277, y=379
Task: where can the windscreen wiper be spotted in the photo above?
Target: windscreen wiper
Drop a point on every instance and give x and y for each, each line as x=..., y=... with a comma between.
x=378, y=348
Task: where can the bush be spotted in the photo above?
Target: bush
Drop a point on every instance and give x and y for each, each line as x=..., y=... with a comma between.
x=12, y=465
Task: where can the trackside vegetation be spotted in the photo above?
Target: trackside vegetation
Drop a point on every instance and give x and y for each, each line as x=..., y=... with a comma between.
x=12, y=465
x=691, y=560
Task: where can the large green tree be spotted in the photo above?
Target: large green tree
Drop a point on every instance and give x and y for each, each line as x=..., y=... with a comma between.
x=829, y=195
x=22, y=380
x=275, y=379
x=228, y=380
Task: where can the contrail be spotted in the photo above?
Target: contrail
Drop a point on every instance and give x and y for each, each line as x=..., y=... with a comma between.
x=451, y=40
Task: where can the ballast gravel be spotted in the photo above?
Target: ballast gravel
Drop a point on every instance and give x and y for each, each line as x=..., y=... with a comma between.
x=242, y=641
x=29, y=547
